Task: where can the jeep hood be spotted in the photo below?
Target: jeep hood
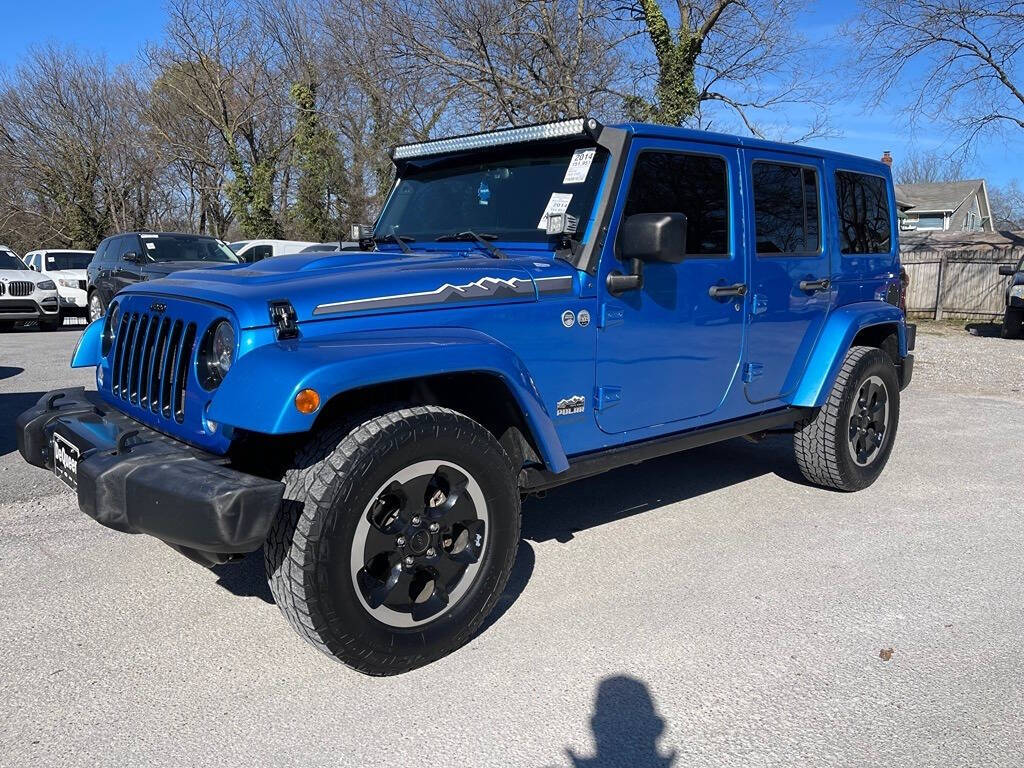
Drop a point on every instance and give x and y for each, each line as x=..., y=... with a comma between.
x=325, y=286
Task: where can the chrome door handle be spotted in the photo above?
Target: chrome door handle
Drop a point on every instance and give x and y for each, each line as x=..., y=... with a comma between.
x=725, y=291
x=815, y=285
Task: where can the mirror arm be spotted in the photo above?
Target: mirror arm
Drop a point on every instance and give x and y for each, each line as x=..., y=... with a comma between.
x=619, y=283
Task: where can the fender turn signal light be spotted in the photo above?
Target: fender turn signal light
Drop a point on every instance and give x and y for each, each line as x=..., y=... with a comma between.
x=307, y=401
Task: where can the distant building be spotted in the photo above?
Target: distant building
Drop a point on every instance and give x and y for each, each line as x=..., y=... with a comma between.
x=944, y=206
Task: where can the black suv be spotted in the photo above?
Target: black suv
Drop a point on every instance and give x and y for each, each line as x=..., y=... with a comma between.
x=136, y=256
x=1013, y=321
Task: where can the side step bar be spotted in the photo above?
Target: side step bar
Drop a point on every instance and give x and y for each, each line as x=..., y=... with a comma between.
x=534, y=479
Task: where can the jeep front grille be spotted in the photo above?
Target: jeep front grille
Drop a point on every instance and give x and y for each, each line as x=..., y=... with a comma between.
x=20, y=288
x=150, y=364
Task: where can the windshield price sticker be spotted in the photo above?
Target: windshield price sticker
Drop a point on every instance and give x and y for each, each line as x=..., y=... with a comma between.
x=558, y=203
x=579, y=166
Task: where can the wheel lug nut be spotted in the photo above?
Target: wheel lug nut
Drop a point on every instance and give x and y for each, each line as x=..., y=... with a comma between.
x=431, y=552
x=409, y=561
x=416, y=520
x=400, y=541
x=434, y=527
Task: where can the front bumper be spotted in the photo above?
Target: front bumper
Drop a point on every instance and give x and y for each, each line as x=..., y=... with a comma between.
x=73, y=300
x=136, y=480
x=29, y=308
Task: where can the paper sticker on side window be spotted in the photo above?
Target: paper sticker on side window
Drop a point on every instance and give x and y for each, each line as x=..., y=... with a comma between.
x=579, y=166
x=558, y=203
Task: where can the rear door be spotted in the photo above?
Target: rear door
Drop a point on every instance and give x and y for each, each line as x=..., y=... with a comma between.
x=790, y=273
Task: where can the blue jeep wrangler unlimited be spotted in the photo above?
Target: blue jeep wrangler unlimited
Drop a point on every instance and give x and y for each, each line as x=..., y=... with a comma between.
x=536, y=305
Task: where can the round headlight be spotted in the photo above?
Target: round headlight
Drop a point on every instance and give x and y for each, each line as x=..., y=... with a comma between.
x=110, y=327
x=218, y=354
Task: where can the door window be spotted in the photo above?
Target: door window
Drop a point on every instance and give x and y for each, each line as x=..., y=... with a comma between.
x=694, y=185
x=258, y=253
x=787, y=219
x=863, y=202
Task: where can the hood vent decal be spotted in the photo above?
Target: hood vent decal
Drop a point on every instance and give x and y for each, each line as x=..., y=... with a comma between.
x=484, y=288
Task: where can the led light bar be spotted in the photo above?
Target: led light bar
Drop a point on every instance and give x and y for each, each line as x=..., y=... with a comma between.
x=577, y=126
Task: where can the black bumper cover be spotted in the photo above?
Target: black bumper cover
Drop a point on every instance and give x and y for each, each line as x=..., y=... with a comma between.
x=136, y=480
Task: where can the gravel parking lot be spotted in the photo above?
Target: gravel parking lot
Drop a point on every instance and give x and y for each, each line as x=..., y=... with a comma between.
x=706, y=609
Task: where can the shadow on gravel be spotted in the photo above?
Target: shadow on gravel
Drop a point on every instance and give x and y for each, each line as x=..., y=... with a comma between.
x=626, y=727
x=12, y=404
x=9, y=372
x=633, y=490
x=988, y=330
x=245, y=578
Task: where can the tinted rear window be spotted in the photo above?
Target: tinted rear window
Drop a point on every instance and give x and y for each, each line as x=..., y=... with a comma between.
x=863, y=202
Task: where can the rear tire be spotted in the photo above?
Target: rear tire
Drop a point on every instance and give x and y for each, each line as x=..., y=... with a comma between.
x=847, y=443
x=395, y=538
x=1013, y=321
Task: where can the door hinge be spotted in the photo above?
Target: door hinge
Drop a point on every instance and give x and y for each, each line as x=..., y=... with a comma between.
x=752, y=371
x=611, y=316
x=606, y=397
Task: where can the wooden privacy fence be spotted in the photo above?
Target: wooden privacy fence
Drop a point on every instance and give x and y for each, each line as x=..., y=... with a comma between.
x=963, y=284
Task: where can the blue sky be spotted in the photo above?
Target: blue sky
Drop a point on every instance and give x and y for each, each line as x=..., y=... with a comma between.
x=118, y=28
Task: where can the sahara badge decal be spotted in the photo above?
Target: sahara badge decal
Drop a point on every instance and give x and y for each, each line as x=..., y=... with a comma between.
x=570, y=405
x=568, y=318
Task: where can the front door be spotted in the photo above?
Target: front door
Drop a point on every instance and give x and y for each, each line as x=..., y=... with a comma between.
x=126, y=272
x=790, y=289
x=668, y=352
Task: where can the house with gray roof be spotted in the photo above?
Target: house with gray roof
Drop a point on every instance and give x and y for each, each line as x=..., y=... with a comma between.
x=946, y=206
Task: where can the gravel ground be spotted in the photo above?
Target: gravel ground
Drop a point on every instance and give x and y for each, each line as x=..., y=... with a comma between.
x=706, y=609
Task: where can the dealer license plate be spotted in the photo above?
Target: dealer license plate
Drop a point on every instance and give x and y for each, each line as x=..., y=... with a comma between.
x=65, y=460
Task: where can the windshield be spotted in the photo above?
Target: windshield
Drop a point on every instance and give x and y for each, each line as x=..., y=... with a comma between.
x=9, y=261
x=56, y=260
x=506, y=193
x=187, y=248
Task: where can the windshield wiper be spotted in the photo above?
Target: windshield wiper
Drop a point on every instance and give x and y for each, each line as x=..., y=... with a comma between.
x=481, y=239
x=394, y=237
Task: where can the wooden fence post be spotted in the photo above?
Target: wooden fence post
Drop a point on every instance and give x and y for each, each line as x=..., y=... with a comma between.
x=939, y=284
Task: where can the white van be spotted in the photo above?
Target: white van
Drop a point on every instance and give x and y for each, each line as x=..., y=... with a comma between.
x=251, y=251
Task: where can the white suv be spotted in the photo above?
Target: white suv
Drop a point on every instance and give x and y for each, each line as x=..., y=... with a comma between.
x=24, y=295
x=67, y=269
x=251, y=251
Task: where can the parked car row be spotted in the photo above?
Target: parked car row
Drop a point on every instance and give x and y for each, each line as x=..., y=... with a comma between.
x=80, y=283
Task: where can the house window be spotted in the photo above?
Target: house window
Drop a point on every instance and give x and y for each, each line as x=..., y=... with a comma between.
x=970, y=222
x=931, y=221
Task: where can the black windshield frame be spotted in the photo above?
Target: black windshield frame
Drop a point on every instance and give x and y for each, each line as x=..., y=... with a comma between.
x=501, y=191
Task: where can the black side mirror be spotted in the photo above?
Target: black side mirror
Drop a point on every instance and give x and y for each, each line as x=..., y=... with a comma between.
x=131, y=257
x=653, y=237
x=1007, y=269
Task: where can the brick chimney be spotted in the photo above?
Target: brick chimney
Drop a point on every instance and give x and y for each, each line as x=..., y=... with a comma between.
x=887, y=158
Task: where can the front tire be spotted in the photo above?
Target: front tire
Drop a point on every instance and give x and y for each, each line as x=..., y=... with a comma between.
x=846, y=445
x=395, y=538
x=96, y=309
x=1013, y=321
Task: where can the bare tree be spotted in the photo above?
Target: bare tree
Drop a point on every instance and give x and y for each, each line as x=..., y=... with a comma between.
x=216, y=64
x=928, y=167
x=957, y=62
x=743, y=56
x=1007, y=204
x=510, y=63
